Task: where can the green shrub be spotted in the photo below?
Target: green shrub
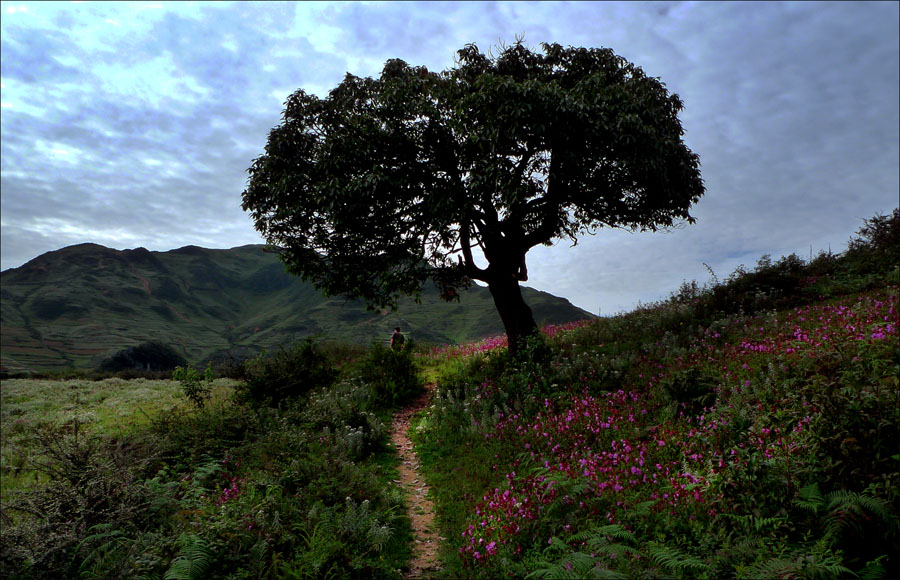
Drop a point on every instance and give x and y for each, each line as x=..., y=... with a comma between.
x=393, y=374
x=148, y=356
x=94, y=493
x=287, y=374
x=689, y=391
x=196, y=387
x=343, y=413
x=877, y=245
x=342, y=541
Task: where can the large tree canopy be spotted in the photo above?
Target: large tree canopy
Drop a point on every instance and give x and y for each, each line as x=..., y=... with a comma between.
x=415, y=175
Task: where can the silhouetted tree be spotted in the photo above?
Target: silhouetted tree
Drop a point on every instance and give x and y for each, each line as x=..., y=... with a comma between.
x=147, y=356
x=389, y=182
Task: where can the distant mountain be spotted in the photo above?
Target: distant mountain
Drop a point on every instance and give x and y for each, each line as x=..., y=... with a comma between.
x=73, y=307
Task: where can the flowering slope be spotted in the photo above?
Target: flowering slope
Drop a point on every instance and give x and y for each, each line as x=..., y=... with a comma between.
x=740, y=424
x=492, y=343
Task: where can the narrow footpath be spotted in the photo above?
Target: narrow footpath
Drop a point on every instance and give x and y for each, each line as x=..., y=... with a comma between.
x=424, y=562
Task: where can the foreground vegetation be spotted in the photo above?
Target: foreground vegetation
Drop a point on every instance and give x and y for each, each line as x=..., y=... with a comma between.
x=237, y=481
x=743, y=429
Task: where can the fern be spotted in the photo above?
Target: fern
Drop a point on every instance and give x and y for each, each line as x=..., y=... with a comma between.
x=874, y=570
x=599, y=541
x=209, y=468
x=748, y=548
x=581, y=565
x=109, y=540
x=193, y=559
x=811, y=499
x=777, y=567
x=825, y=567
x=262, y=561
x=573, y=566
x=751, y=523
x=310, y=536
x=848, y=510
x=674, y=560
x=842, y=500
x=358, y=525
x=821, y=564
x=598, y=536
x=321, y=543
x=641, y=510
x=378, y=536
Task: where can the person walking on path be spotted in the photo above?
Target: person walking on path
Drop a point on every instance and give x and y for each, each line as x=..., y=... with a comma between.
x=397, y=340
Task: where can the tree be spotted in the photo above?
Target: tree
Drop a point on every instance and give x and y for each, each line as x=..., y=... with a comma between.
x=389, y=182
x=150, y=356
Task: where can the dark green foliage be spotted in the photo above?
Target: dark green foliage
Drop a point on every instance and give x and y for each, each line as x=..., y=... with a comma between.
x=771, y=285
x=150, y=356
x=611, y=540
x=858, y=435
x=348, y=410
x=503, y=152
x=674, y=562
x=393, y=374
x=877, y=244
x=304, y=490
x=196, y=387
x=193, y=561
x=52, y=308
x=798, y=448
x=332, y=529
x=300, y=491
x=690, y=391
x=871, y=258
x=93, y=484
x=849, y=519
x=289, y=373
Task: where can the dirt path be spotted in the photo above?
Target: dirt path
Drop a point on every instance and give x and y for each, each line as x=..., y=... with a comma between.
x=424, y=560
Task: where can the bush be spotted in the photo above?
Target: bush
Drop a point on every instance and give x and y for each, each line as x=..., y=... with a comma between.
x=92, y=484
x=196, y=387
x=689, y=391
x=345, y=412
x=877, y=245
x=393, y=374
x=149, y=356
x=287, y=374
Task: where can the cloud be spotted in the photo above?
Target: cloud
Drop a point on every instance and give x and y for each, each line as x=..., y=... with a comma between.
x=131, y=126
x=27, y=56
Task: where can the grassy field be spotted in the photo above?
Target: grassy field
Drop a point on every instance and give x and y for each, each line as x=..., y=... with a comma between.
x=104, y=407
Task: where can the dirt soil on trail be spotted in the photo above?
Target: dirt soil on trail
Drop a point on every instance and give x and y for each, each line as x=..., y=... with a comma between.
x=424, y=562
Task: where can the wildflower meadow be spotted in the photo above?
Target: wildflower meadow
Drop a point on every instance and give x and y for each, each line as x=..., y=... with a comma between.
x=645, y=460
x=759, y=444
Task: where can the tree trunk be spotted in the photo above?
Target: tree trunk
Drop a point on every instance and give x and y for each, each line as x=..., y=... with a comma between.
x=514, y=312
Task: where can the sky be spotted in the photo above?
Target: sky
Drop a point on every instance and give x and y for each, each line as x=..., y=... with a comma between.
x=133, y=124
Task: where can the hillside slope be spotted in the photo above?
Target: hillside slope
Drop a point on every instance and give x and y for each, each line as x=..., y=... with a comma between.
x=73, y=307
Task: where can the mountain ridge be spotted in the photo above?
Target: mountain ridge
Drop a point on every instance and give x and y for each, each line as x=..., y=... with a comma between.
x=71, y=308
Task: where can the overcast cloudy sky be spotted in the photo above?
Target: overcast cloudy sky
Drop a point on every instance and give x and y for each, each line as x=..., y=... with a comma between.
x=133, y=124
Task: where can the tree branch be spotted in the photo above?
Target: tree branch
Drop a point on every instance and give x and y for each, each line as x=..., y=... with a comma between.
x=522, y=165
x=472, y=270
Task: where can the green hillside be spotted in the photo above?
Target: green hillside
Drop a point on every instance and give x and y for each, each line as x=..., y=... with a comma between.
x=74, y=307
